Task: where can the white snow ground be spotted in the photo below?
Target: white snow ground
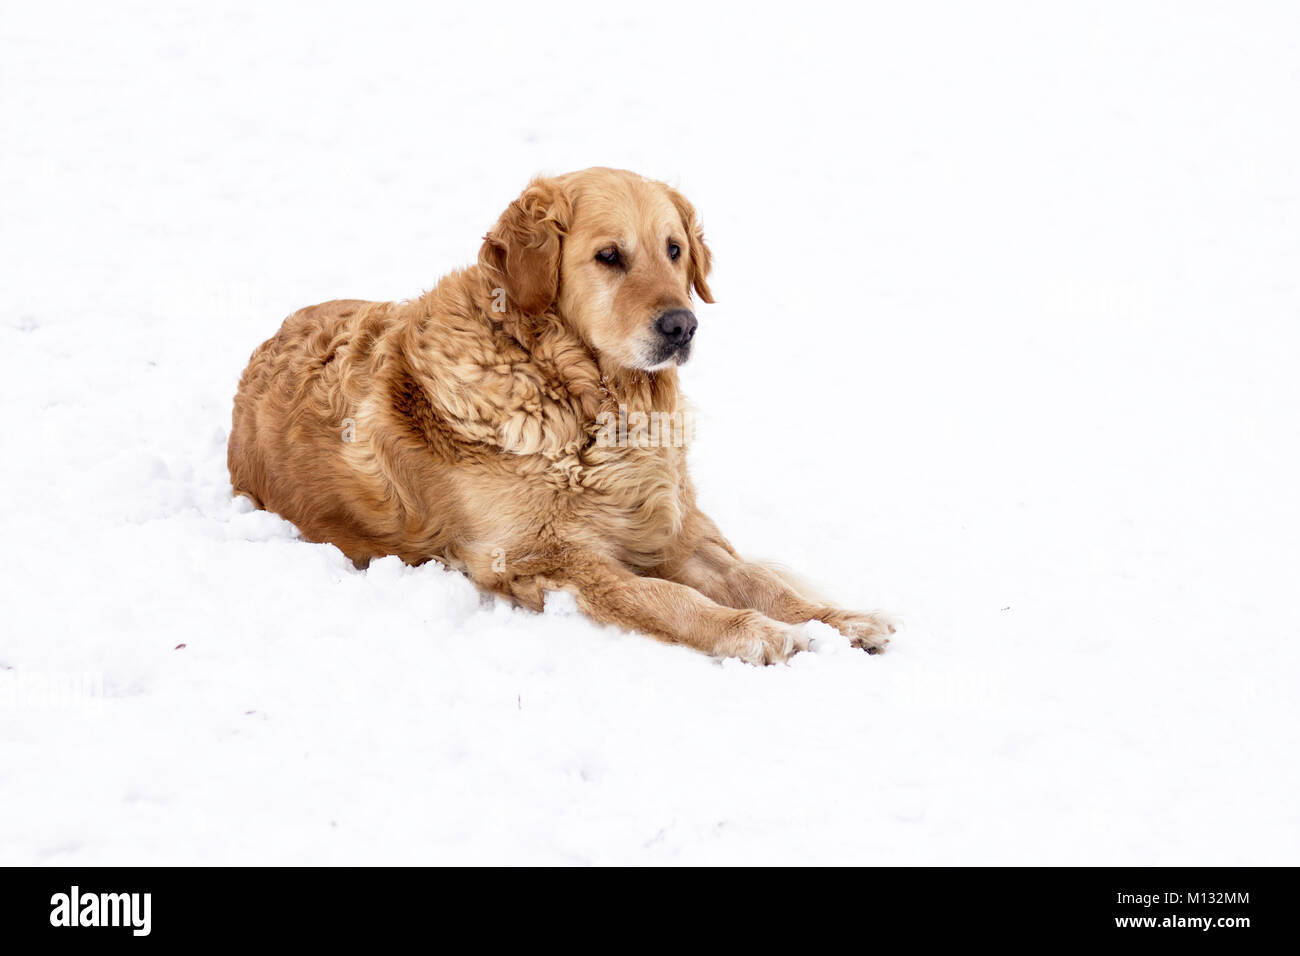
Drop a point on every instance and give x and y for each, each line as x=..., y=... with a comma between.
x=1030, y=271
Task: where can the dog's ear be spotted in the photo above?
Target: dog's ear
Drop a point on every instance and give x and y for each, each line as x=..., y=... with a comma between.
x=521, y=254
x=701, y=256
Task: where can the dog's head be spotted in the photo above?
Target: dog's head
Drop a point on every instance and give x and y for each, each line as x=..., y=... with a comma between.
x=615, y=255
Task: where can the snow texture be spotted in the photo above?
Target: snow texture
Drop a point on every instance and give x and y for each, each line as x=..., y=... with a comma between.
x=1005, y=343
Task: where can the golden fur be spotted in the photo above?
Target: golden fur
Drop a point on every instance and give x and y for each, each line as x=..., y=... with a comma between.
x=462, y=426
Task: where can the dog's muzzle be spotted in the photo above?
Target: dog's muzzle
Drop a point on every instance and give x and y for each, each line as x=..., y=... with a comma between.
x=676, y=329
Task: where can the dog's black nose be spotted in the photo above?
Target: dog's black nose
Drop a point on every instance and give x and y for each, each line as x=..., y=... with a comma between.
x=677, y=326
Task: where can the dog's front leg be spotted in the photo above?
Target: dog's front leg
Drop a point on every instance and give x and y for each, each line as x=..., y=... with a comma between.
x=715, y=570
x=675, y=613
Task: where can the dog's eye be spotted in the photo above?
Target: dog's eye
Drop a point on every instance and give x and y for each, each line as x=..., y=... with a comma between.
x=674, y=250
x=608, y=256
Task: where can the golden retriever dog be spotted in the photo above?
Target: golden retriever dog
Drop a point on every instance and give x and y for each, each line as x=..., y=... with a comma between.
x=475, y=425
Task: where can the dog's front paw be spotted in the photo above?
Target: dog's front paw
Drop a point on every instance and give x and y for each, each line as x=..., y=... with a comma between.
x=868, y=630
x=759, y=640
